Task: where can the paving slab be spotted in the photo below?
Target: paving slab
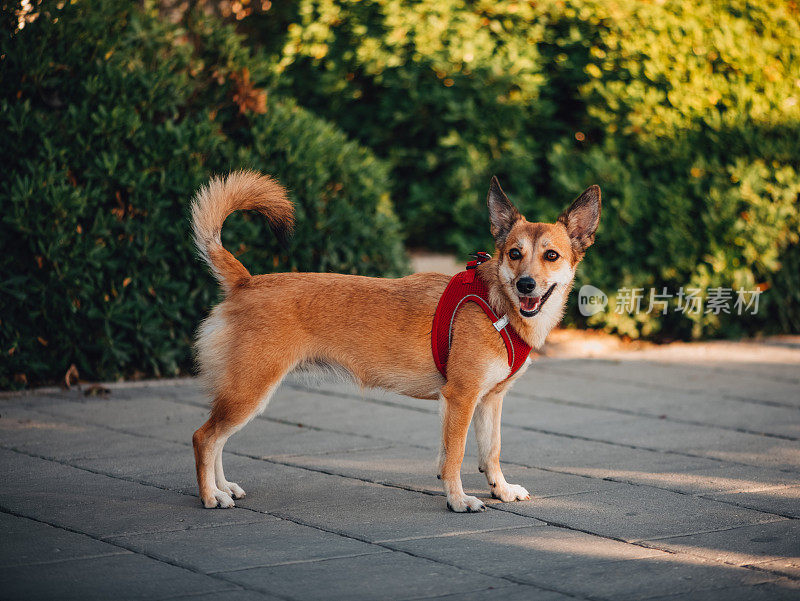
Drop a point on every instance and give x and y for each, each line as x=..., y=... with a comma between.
x=97, y=504
x=782, y=589
x=777, y=543
x=367, y=511
x=780, y=500
x=243, y=546
x=682, y=377
x=711, y=408
x=714, y=480
x=509, y=553
x=231, y=595
x=38, y=543
x=658, y=434
x=634, y=513
x=645, y=578
x=393, y=576
x=515, y=592
x=129, y=576
x=606, y=459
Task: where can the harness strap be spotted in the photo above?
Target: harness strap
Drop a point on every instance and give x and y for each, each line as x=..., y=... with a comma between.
x=465, y=287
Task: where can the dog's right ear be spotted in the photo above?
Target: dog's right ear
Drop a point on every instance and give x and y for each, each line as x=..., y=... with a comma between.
x=502, y=214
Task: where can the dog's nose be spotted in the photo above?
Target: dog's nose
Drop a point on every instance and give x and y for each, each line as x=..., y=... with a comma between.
x=526, y=285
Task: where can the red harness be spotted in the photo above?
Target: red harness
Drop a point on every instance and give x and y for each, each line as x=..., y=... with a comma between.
x=465, y=287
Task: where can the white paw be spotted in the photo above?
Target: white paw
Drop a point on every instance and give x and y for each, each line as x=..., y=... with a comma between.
x=464, y=504
x=510, y=492
x=237, y=492
x=218, y=498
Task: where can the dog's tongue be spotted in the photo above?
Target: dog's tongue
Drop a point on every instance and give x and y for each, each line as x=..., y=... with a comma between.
x=528, y=303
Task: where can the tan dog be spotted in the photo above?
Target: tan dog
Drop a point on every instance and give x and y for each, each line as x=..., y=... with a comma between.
x=378, y=330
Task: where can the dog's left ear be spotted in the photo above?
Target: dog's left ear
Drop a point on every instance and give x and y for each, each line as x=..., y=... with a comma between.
x=502, y=214
x=582, y=219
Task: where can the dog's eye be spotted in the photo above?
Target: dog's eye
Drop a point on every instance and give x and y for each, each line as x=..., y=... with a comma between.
x=551, y=255
x=514, y=254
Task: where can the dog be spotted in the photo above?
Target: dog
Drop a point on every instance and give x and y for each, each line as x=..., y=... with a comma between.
x=377, y=330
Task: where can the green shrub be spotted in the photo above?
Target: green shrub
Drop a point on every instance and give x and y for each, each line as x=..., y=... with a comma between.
x=691, y=126
x=112, y=120
x=687, y=114
x=449, y=93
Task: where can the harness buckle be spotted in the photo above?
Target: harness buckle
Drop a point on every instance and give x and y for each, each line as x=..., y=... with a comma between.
x=500, y=323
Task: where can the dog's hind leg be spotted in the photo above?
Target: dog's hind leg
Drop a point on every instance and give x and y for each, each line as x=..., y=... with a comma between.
x=487, y=432
x=229, y=413
x=231, y=488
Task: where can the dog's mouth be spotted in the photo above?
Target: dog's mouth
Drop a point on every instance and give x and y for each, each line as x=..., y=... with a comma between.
x=531, y=305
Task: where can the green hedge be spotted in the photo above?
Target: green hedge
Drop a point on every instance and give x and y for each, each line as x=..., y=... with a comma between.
x=112, y=120
x=686, y=113
x=692, y=123
x=449, y=93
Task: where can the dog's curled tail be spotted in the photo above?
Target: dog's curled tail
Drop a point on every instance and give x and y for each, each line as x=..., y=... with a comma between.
x=242, y=190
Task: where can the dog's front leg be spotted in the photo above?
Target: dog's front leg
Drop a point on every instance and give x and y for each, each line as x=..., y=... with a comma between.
x=459, y=405
x=487, y=431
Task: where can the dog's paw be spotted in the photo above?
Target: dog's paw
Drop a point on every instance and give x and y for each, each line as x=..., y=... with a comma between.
x=465, y=504
x=217, y=498
x=232, y=489
x=510, y=492
x=237, y=492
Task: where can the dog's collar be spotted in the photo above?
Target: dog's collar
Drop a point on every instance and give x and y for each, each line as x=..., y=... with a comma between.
x=467, y=287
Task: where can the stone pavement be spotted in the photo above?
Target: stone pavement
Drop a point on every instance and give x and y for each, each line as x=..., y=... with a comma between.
x=663, y=473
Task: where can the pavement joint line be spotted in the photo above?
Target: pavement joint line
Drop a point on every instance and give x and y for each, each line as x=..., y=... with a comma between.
x=113, y=385
x=674, y=420
x=204, y=593
x=219, y=575
x=771, y=488
x=672, y=366
x=302, y=561
x=683, y=596
x=638, y=541
x=499, y=590
x=152, y=556
x=463, y=532
x=516, y=464
x=638, y=384
x=171, y=530
x=477, y=590
x=66, y=559
x=718, y=369
x=329, y=452
x=711, y=531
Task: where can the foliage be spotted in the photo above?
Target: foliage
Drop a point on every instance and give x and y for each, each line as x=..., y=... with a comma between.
x=114, y=119
x=448, y=93
x=687, y=114
x=691, y=126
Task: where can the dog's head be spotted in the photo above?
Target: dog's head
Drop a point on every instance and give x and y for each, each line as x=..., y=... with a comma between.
x=536, y=261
